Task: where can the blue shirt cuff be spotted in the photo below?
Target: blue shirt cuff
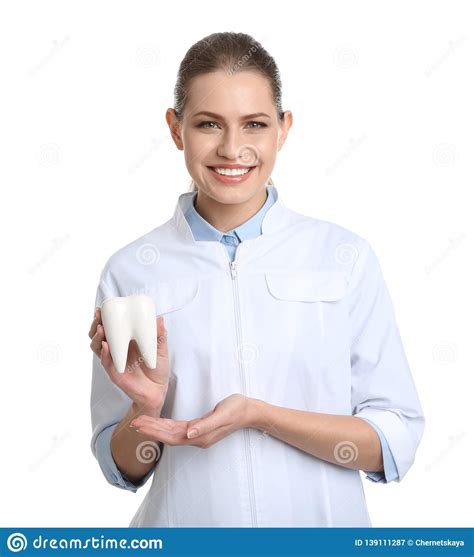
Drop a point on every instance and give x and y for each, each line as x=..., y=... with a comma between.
x=108, y=465
x=389, y=472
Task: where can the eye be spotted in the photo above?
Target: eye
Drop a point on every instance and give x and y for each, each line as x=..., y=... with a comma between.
x=259, y=124
x=204, y=124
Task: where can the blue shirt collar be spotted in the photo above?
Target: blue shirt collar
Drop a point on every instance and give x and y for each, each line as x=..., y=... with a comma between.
x=251, y=228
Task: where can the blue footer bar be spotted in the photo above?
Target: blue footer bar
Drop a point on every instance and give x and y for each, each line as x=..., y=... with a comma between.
x=220, y=542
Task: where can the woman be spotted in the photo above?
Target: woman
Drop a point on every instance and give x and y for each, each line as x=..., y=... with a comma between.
x=281, y=373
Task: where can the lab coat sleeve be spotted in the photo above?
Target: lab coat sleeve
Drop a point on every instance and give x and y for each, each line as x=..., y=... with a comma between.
x=108, y=466
x=109, y=404
x=382, y=386
x=389, y=472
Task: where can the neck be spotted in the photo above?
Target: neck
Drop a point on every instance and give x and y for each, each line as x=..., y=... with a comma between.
x=226, y=216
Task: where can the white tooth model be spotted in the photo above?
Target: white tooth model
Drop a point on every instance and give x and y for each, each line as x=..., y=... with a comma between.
x=130, y=317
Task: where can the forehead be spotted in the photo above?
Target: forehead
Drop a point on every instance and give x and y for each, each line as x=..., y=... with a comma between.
x=229, y=94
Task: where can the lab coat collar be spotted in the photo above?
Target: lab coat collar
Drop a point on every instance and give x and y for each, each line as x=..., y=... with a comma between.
x=275, y=218
x=251, y=228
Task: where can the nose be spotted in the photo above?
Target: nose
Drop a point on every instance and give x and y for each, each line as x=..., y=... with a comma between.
x=230, y=145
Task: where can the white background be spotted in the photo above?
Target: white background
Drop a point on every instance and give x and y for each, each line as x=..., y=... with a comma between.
x=382, y=143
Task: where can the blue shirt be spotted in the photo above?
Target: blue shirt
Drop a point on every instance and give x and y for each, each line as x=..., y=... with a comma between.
x=251, y=228
x=203, y=230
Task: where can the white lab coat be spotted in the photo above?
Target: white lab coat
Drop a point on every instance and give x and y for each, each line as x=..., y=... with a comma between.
x=302, y=320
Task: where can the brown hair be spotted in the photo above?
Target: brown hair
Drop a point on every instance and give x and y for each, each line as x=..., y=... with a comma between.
x=231, y=52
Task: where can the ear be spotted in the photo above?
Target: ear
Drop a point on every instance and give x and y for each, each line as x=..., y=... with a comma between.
x=175, y=128
x=284, y=128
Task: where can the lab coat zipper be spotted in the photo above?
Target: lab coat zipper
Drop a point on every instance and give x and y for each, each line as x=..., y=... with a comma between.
x=233, y=274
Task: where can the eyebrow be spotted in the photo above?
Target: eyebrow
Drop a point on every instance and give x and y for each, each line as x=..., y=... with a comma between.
x=219, y=117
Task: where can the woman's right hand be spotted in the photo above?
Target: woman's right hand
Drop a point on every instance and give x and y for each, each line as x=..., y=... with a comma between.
x=145, y=386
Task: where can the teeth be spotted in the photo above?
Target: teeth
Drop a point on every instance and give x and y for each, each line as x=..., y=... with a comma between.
x=126, y=318
x=231, y=171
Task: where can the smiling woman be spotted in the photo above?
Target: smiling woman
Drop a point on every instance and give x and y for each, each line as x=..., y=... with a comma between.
x=283, y=374
x=228, y=119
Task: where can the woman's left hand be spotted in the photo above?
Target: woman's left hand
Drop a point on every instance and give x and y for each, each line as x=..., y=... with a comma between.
x=229, y=415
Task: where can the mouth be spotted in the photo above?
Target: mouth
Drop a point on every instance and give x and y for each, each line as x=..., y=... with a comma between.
x=231, y=175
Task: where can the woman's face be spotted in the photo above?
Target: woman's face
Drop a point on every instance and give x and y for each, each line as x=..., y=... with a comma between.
x=230, y=119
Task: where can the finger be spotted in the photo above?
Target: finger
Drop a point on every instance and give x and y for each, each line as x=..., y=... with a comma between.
x=93, y=328
x=165, y=424
x=97, y=319
x=96, y=344
x=108, y=364
x=205, y=441
x=157, y=429
x=162, y=338
x=205, y=425
x=197, y=420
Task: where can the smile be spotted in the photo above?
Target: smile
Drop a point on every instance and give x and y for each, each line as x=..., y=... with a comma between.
x=231, y=175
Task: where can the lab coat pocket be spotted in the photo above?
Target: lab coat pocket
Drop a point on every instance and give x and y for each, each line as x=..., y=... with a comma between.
x=174, y=295
x=311, y=302
x=307, y=286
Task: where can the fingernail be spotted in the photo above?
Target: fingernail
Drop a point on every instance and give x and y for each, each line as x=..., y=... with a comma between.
x=193, y=433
